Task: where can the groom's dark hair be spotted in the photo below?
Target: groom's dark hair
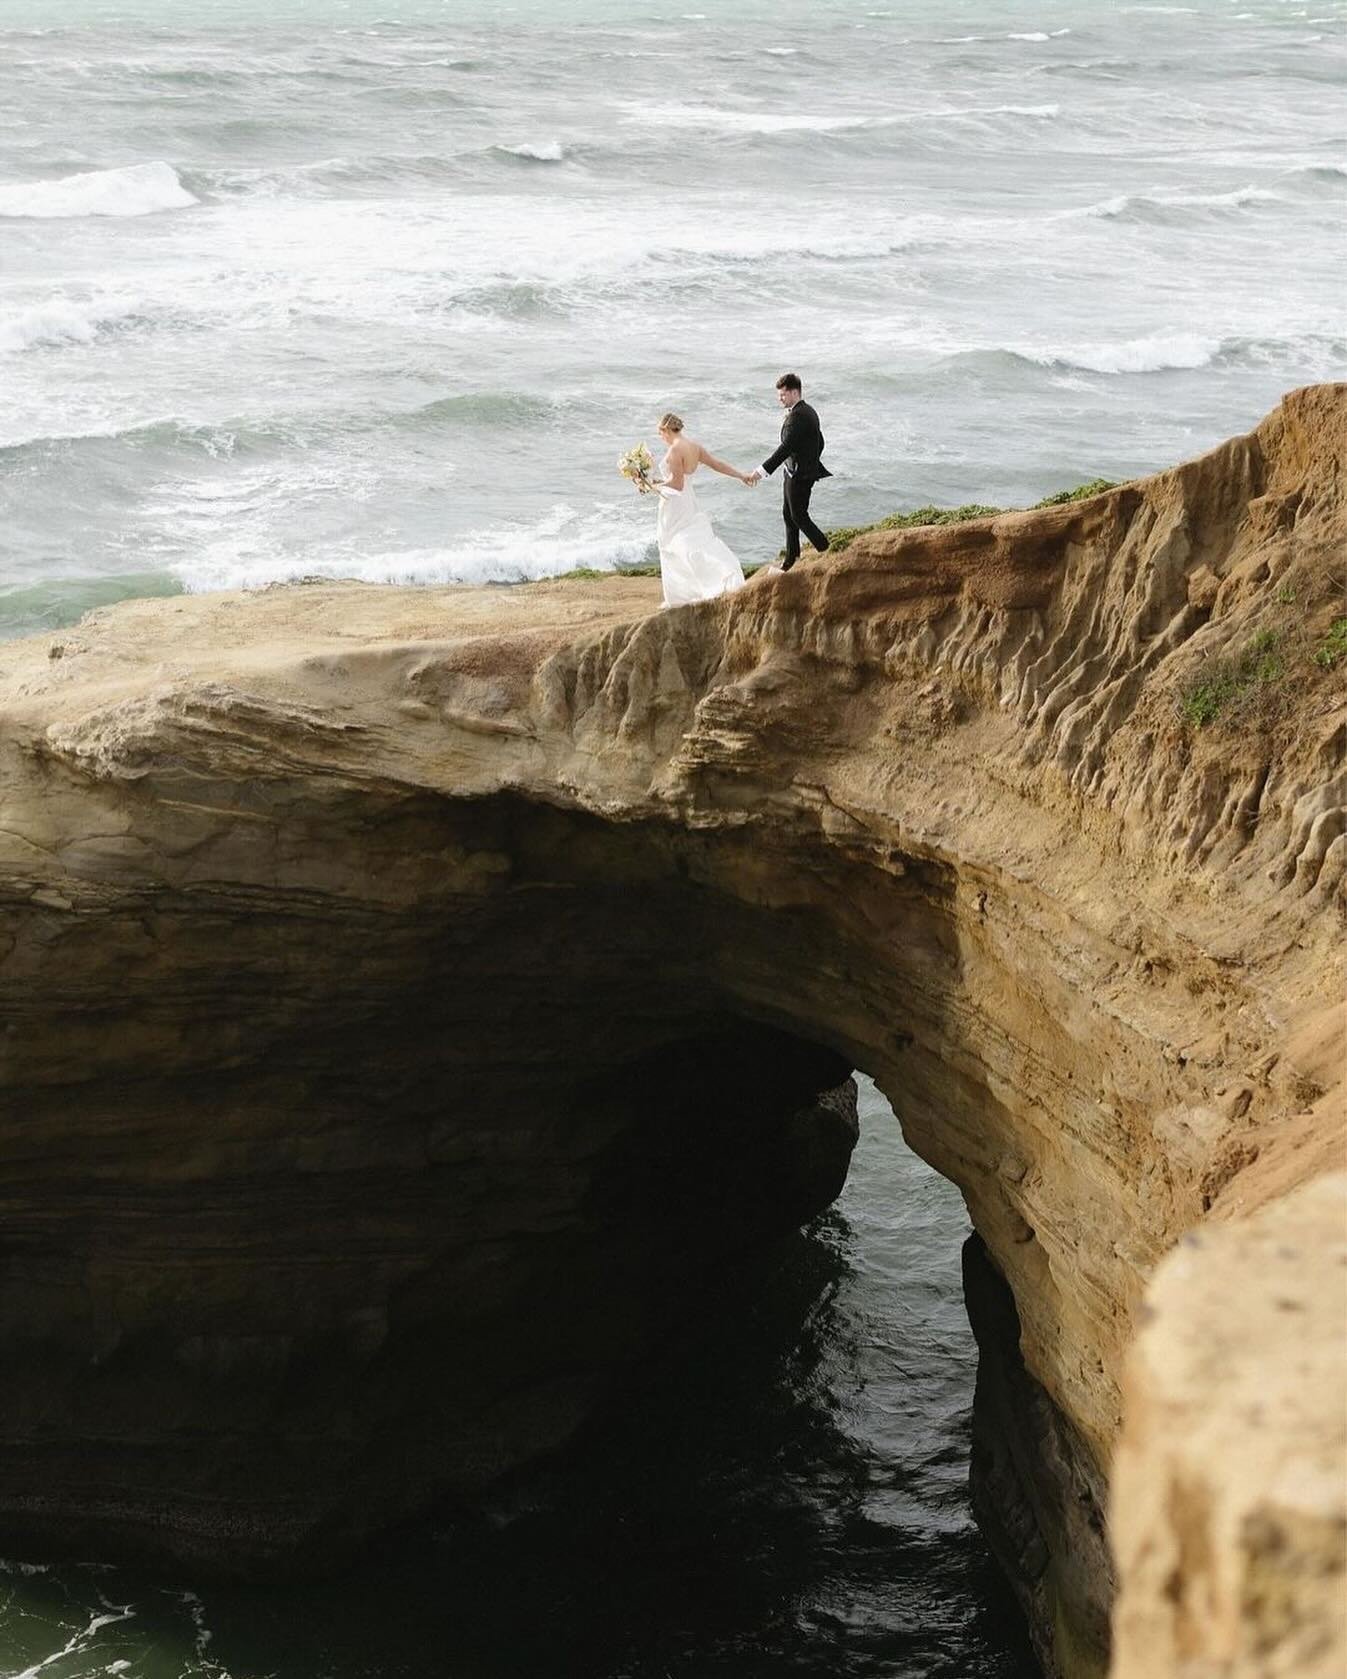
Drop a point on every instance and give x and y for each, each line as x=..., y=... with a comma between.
x=789, y=382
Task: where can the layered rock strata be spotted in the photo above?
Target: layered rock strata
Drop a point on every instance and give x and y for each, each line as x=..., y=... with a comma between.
x=404, y=991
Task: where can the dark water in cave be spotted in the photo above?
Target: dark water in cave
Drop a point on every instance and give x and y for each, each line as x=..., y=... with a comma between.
x=788, y=1499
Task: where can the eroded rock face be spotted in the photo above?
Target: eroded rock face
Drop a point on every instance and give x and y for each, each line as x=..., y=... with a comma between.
x=1035, y=1491
x=1230, y=1523
x=343, y=928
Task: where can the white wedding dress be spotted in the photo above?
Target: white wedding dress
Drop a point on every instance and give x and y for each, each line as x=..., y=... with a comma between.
x=694, y=563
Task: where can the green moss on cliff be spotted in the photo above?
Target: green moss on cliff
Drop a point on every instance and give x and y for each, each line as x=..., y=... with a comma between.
x=957, y=515
x=1082, y=492
x=1224, y=682
x=1333, y=648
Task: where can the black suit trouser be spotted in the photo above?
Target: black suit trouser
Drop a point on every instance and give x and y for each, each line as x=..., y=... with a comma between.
x=795, y=493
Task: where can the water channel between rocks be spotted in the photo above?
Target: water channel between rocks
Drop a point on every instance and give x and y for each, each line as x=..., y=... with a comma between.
x=789, y=1498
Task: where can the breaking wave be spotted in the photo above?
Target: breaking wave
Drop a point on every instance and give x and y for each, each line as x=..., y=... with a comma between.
x=140, y=189
x=551, y=151
x=806, y=122
x=1305, y=353
x=1155, y=354
x=59, y=322
x=1168, y=207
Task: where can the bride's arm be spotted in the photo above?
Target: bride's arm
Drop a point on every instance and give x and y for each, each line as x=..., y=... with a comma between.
x=705, y=456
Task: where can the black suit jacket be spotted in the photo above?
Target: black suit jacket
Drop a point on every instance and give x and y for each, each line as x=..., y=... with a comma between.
x=801, y=445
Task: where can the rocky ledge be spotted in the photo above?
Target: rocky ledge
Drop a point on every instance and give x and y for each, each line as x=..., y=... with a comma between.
x=412, y=997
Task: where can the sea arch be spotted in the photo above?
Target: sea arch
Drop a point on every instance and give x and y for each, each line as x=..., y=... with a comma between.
x=403, y=987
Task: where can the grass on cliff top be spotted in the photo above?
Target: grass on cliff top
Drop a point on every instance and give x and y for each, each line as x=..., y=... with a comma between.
x=844, y=535
x=591, y=574
x=959, y=515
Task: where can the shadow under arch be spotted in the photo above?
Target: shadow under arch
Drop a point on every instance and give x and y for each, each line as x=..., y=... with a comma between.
x=457, y=1148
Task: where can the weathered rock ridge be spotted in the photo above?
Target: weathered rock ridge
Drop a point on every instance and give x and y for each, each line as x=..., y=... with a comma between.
x=405, y=991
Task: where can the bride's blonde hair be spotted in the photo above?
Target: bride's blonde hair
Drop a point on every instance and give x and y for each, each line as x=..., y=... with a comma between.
x=671, y=422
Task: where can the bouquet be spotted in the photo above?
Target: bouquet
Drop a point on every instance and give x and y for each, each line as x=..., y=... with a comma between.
x=635, y=465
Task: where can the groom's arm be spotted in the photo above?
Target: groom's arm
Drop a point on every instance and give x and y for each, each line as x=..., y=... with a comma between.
x=789, y=438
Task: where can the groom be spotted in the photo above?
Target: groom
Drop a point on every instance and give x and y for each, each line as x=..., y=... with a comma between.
x=801, y=446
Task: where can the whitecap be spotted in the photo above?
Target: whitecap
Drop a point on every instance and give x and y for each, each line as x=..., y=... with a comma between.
x=746, y=122
x=970, y=113
x=1158, y=353
x=765, y=122
x=1027, y=35
x=1319, y=171
x=1001, y=111
x=1221, y=200
x=548, y=151
x=1107, y=208
x=45, y=324
x=140, y=189
x=1133, y=204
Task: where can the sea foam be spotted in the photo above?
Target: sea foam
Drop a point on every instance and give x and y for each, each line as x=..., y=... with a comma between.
x=140, y=189
x=603, y=538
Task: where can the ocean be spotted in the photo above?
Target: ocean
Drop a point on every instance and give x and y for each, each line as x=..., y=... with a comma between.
x=382, y=288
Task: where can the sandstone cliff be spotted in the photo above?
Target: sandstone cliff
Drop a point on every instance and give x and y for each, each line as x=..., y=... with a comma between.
x=403, y=993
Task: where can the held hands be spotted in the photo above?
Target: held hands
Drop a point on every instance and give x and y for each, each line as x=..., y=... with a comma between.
x=752, y=478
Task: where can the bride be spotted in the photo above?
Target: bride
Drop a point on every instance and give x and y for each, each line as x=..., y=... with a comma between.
x=693, y=562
